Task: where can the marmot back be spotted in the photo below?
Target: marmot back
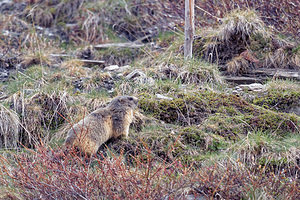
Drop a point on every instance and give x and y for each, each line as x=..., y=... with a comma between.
x=102, y=124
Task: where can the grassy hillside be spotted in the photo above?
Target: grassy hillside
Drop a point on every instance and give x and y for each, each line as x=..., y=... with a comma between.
x=194, y=135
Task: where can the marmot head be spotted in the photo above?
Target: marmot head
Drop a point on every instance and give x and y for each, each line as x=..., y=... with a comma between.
x=124, y=101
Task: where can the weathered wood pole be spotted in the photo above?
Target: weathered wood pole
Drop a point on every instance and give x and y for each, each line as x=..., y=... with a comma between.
x=189, y=28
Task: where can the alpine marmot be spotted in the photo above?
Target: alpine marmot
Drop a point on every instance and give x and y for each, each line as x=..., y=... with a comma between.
x=102, y=124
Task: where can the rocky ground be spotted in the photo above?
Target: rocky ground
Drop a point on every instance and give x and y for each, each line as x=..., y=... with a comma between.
x=222, y=125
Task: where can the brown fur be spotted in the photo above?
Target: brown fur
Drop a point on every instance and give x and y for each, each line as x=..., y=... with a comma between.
x=102, y=124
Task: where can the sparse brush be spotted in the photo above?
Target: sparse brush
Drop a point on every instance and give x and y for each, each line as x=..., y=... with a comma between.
x=295, y=60
x=199, y=73
x=278, y=59
x=283, y=57
x=89, y=31
x=242, y=37
x=52, y=174
x=41, y=16
x=67, y=10
x=188, y=72
x=16, y=31
x=35, y=59
x=135, y=20
x=46, y=13
x=268, y=153
x=98, y=81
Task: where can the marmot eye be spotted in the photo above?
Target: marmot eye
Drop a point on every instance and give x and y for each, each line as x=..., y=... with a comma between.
x=130, y=99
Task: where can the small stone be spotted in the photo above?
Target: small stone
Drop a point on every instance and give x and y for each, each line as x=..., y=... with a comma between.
x=112, y=90
x=159, y=96
x=144, y=80
x=192, y=197
x=124, y=68
x=257, y=87
x=111, y=68
x=28, y=91
x=134, y=74
x=4, y=75
x=235, y=92
x=120, y=75
x=295, y=109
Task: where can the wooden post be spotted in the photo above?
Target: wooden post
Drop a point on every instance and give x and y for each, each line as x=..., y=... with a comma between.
x=189, y=28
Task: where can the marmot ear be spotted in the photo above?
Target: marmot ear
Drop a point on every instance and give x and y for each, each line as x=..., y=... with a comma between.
x=121, y=100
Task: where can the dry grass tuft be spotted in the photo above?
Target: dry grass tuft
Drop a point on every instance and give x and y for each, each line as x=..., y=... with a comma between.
x=190, y=72
x=74, y=68
x=296, y=60
x=9, y=128
x=40, y=114
x=237, y=65
x=41, y=16
x=241, y=38
x=244, y=24
x=199, y=75
x=232, y=36
x=46, y=13
x=283, y=57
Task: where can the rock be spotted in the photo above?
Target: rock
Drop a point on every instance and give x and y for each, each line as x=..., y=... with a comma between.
x=159, y=96
x=134, y=74
x=256, y=87
x=119, y=75
x=87, y=53
x=295, y=110
x=124, y=68
x=192, y=197
x=3, y=75
x=144, y=80
x=112, y=68
x=28, y=91
x=112, y=90
x=235, y=92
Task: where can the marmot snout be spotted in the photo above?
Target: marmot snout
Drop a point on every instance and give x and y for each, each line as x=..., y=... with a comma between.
x=102, y=124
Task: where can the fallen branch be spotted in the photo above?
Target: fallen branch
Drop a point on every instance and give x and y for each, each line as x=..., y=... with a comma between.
x=120, y=45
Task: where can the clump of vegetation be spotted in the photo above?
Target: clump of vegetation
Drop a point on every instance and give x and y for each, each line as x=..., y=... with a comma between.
x=136, y=20
x=243, y=42
x=286, y=23
x=190, y=72
x=119, y=56
x=280, y=96
x=231, y=38
x=9, y=128
x=194, y=108
x=39, y=115
x=45, y=12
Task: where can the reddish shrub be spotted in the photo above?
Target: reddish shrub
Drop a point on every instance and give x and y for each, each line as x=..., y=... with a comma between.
x=51, y=174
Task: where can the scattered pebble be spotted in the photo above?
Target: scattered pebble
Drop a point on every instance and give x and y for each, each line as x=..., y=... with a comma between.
x=159, y=96
x=256, y=87
x=112, y=68
x=135, y=74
